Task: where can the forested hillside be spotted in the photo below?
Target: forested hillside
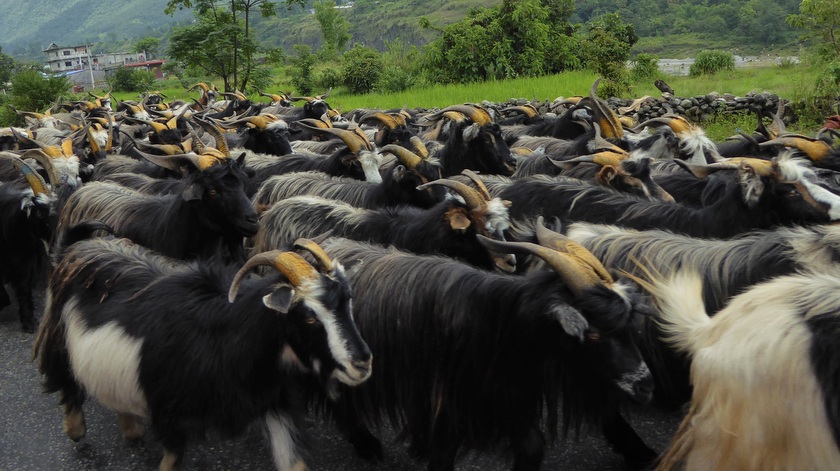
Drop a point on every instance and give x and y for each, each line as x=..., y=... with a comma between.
x=28, y=26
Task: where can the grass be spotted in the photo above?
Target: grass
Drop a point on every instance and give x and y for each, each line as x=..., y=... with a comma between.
x=792, y=82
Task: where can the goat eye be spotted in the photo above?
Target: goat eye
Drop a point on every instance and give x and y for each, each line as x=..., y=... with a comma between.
x=312, y=320
x=212, y=192
x=594, y=336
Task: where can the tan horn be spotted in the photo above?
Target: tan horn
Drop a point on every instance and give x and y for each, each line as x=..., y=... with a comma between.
x=45, y=161
x=317, y=251
x=405, y=156
x=479, y=184
x=561, y=243
x=472, y=197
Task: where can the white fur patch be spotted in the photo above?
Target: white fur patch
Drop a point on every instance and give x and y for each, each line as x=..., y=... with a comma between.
x=106, y=361
x=628, y=380
x=696, y=144
x=283, y=450
x=279, y=124
x=498, y=218
x=370, y=165
x=471, y=132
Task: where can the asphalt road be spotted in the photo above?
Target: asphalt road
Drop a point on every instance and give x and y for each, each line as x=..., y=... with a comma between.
x=31, y=436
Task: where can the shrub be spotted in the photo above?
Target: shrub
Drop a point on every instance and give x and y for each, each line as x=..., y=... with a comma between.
x=126, y=79
x=362, y=69
x=645, y=67
x=301, y=70
x=329, y=78
x=711, y=61
x=395, y=79
x=32, y=91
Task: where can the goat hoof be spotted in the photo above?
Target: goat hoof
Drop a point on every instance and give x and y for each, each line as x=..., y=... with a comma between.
x=130, y=427
x=28, y=325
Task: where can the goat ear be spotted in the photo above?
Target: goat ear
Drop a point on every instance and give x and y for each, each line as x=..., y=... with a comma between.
x=471, y=132
x=606, y=174
x=280, y=299
x=571, y=320
x=348, y=159
x=192, y=192
x=399, y=172
x=241, y=160
x=458, y=219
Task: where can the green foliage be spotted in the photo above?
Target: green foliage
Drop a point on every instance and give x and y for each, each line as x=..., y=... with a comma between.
x=517, y=38
x=7, y=65
x=645, y=67
x=334, y=28
x=821, y=21
x=148, y=45
x=127, y=79
x=31, y=91
x=329, y=78
x=301, y=70
x=606, y=48
x=711, y=61
x=395, y=79
x=362, y=67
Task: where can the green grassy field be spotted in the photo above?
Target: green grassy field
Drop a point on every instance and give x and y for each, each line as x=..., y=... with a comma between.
x=793, y=82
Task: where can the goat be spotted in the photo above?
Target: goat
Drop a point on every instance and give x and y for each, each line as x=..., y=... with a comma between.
x=24, y=230
x=449, y=228
x=210, y=214
x=764, y=371
x=398, y=187
x=469, y=359
x=358, y=160
x=475, y=144
x=740, y=208
x=151, y=337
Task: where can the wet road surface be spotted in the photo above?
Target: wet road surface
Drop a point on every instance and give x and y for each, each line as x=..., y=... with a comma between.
x=31, y=436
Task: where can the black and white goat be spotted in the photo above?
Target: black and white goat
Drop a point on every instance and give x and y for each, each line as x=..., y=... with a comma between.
x=468, y=359
x=195, y=347
x=398, y=186
x=210, y=216
x=764, y=371
x=448, y=228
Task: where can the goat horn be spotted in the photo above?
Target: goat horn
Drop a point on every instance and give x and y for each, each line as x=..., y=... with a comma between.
x=479, y=184
x=476, y=113
x=38, y=185
x=385, y=119
x=405, y=156
x=472, y=197
x=577, y=279
x=421, y=149
x=677, y=124
x=200, y=85
x=221, y=144
x=561, y=243
x=604, y=116
x=316, y=250
x=815, y=150
x=601, y=158
x=175, y=162
x=290, y=264
x=350, y=138
x=45, y=161
x=527, y=110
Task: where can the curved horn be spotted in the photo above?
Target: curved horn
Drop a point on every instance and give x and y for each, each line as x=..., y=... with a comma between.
x=351, y=139
x=561, y=243
x=677, y=124
x=175, y=162
x=385, y=119
x=472, y=197
x=479, y=184
x=605, y=117
x=221, y=143
x=419, y=146
x=814, y=149
x=45, y=161
x=290, y=264
x=601, y=158
x=312, y=247
x=405, y=156
x=571, y=272
x=200, y=85
x=528, y=110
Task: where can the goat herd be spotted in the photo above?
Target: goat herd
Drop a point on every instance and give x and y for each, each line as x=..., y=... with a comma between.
x=480, y=278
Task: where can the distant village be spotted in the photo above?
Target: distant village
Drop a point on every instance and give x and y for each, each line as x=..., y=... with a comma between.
x=87, y=71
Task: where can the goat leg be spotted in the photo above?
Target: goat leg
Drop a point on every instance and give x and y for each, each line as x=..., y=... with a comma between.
x=528, y=450
x=350, y=424
x=26, y=305
x=625, y=441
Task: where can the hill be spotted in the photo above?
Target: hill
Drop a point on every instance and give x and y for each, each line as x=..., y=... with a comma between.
x=29, y=26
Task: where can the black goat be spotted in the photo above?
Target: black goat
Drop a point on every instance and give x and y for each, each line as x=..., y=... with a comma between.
x=398, y=187
x=469, y=359
x=210, y=216
x=449, y=228
x=24, y=229
x=151, y=337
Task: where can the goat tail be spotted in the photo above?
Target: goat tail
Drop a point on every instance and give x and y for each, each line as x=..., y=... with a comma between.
x=681, y=312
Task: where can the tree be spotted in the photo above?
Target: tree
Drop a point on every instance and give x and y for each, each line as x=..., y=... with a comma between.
x=821, y=21
x=7, y=65
x=31, y=91
x=148, y=46
x=209, y=45
x=362, y=69
x=334, y=28
x=606, y=48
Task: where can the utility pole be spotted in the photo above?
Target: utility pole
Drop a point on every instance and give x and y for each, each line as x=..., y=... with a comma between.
x=90, y=67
